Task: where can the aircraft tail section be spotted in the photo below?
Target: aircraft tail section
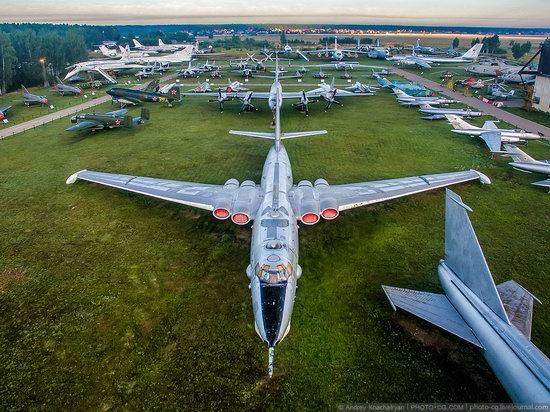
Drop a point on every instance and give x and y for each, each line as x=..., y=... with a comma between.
x=473, y=53
x=432, y=307
x=105, y=51
x=458, y=122
x=161, y=43
x=173, y=93
x=24, y=89
x=517, y=154
x=518, y=303
x=464, y=256
x=137, y=43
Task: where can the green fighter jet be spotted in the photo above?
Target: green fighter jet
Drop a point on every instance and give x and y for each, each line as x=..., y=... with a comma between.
x=111, y=120
x=124, y=96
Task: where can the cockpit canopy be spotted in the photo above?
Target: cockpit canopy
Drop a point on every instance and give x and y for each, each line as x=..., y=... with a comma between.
x=274, y=273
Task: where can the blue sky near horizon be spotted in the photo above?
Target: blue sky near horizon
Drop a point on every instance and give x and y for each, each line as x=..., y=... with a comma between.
x=494, y=13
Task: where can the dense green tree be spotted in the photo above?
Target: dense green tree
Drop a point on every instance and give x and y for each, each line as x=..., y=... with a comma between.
x=519, y=50
x=456, y=42
x=475, y=41
x=8, y=58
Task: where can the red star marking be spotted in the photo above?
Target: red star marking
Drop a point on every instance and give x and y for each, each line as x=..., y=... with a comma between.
x=173, y=91
x=155, y=98
x=117, y=122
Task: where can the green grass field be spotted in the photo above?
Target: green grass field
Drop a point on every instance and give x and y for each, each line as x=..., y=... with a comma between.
x=115, y=301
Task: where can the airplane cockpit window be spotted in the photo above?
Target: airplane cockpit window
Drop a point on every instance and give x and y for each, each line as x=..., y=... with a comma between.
x=274, y=245
x=273, y=274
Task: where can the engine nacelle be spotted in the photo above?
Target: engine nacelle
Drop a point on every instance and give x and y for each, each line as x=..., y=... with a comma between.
x=328, y=207
x=309, y=205
x=241, y=212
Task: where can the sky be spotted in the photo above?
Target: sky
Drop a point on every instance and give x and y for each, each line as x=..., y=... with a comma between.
x=493, y=13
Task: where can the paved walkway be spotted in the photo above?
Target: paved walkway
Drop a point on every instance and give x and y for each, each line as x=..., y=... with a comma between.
x=40, y=121
x=488, y=109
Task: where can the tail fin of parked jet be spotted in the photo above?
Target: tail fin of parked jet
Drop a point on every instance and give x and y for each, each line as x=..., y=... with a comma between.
x=458, y=122
x=106, y=52
x=518, y=155
x=473, y=53
x=137, y=44
x=173, y=93
x=272, y=136
x=464, y=256
x=161, y=43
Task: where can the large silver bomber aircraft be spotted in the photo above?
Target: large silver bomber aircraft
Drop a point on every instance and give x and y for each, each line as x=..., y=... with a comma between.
x=276, y=205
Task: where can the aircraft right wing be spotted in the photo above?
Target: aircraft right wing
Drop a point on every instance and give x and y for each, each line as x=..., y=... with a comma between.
x=353, y=195
x=4, y=109
x=199, y=195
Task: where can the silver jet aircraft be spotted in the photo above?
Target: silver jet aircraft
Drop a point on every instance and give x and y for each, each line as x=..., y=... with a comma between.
x=408, y=100
x=30, y=99
x=63, y=88
x=276, y=205
x=495, y=318
x=525, y=163
x=438, y=113
x=490, y=133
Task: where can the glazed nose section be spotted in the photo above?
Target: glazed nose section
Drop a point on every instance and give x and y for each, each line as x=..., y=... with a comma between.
x=273, y=304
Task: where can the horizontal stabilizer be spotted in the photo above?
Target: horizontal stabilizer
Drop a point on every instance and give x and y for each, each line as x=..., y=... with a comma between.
x=518, y=303
x=272, y=136
x=490, y=124
x=432, y=307
x=543, y=183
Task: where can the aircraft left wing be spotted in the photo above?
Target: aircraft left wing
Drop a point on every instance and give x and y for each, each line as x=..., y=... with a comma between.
x=354, y=195
x=199, y=195
x=84, y=125
x=493, y=141
x=489, y=124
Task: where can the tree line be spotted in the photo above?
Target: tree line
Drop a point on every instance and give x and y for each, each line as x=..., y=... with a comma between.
x=23, y=50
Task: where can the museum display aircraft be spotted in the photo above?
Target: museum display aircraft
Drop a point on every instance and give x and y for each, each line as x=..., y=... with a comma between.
x=101, y=121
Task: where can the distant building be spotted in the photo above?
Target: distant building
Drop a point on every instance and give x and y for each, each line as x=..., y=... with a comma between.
x=541, y=94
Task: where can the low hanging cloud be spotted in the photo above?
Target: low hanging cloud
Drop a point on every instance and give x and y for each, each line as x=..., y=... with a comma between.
x=528, y=13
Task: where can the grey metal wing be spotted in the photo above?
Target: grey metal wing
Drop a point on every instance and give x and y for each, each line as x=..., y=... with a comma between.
x=518, y=303
x=432, y=307
x=202, y=196
x=4, y=109
x=493, y=140
x=349, y=196
x=84, y=125
x=120, y=112
x=542, y=183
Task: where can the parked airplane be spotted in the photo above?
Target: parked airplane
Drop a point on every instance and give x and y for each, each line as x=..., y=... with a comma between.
x=500, y=92
x=436, y=113
x=3, y=112
x=103, y=68
x=276, y=205
x=63, y=88
x=423, y=49
x=201, y=88
x=359, y=87
x=408, y=100
x=190, y=71
x=148, y=71
x=412, y=89
x=30, y=99
x=490, y=133
x=426, y=62
x=320, y=75
x=209, y=67
x=124, y=52
x=111, y=120
x=334, y=53
x=494, y=318
x=525, y=163
x=133, y=96
x=159, y=49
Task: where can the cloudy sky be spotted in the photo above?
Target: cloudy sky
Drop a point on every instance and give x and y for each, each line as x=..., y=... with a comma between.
x=499, y=13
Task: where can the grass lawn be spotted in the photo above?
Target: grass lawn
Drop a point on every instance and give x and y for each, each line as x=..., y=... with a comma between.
x=112, y=300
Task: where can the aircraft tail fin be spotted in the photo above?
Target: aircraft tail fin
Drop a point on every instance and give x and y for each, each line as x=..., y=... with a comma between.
x=137, y=43
x=517, y=154
x=173, y=93
x=474, y=51
x=105, y=51
x=432, y=307
x=464, y=256
x=161, y=43
x=458, y=122
x=272, y=136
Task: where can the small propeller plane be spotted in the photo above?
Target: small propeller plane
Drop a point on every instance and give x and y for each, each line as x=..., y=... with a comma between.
x=111, y=120
x=133, y=96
